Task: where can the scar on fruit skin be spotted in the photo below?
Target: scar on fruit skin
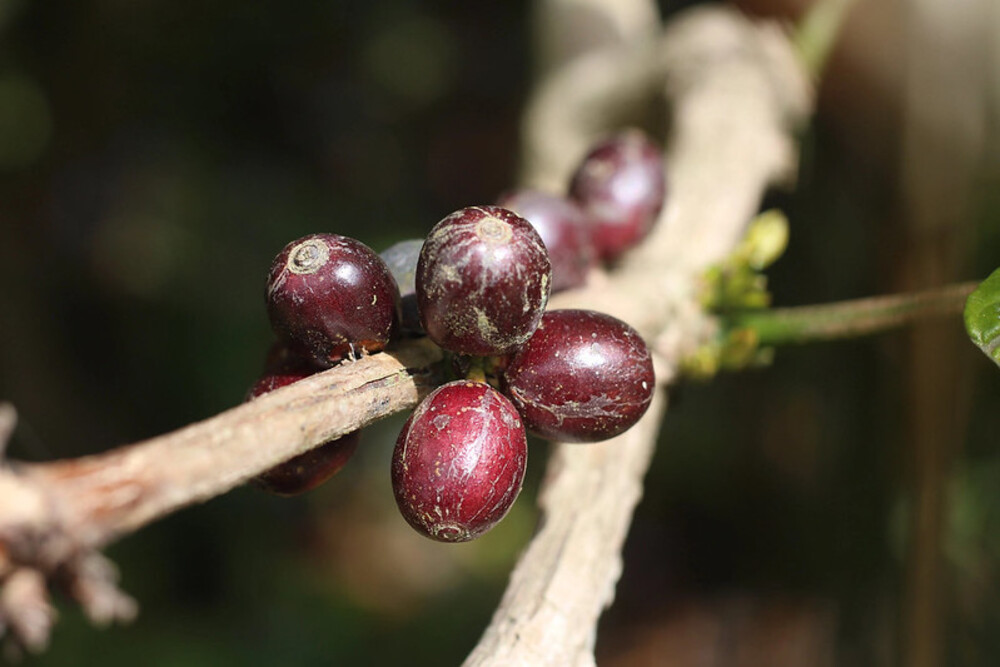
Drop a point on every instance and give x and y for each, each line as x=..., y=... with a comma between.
x=493, y=230
x=308, y=257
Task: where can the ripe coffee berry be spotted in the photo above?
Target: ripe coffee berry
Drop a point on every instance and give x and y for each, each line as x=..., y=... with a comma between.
x=582, y=377
x=310, y=469
x=401, y=258
x=483, y=280
x=331, y=295
x=620, y=185
x=564, y=231
x=459, y=462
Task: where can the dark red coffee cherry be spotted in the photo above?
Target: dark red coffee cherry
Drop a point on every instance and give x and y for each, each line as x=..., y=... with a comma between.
x=483, y=280
x=459, y=462
x=331, y=296
x=310, y=469
x=564, y=230
x=401, y=258
x=621, y=186
x=582, y=377
x=283, y=365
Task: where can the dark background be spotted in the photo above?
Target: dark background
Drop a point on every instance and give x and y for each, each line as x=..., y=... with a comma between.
x=155, y=156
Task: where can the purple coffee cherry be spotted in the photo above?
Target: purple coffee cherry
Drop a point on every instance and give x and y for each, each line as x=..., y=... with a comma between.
x=621, y=187
x=459, y=462
x=483, y=280
x=331, y=295
x=564, y=230
x=583, y=376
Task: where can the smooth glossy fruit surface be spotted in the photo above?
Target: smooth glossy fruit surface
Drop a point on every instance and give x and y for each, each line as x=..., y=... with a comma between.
x=331, y=295
x=483, y=280
x=401, y=258
x=459, y=462
x=564, y=230
x=583, y=376
x=621, y=186
x=309, y=469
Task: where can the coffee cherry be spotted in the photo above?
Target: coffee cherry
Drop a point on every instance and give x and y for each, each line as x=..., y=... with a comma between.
x=483, y=280
x=331, y=295
x=582, y=377
x=282, y=366
x=401, y=258
x=621, y=186
x=459, y=462
x=310, y=469
x=564, y=230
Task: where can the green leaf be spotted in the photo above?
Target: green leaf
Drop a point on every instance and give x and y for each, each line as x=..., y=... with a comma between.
x=982, y=317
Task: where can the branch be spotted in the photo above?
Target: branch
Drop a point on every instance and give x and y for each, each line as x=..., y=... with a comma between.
x=564, y=29
x=54, y=516
x=738, y=93
x=49, y=511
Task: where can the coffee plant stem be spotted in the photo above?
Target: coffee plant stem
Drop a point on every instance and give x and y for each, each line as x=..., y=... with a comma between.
x=850, y=319
x=817, y=32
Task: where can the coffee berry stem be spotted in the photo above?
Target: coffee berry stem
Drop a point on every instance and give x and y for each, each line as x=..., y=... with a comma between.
x=817, y=31
x=477, y=370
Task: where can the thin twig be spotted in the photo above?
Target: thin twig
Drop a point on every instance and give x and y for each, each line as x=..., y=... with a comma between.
x=817, y=32
x=8, y=422
x=850, y=319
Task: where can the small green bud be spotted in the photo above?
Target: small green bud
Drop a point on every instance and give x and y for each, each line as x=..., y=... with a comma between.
x=766, y=239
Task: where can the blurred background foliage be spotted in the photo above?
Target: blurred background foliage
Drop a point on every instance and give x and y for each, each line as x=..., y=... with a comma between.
x=840, y=507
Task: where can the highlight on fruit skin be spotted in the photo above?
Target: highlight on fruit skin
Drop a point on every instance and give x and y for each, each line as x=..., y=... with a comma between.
x=483, y=280
x=332, y=296
x=583, y=376
x=459, y=462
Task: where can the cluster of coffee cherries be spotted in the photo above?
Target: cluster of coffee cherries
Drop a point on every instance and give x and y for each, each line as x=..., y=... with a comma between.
x=477, y=286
